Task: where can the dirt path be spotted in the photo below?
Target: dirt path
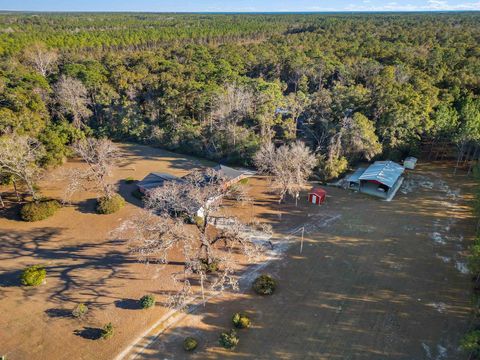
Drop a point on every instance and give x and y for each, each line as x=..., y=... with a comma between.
x=382, y=280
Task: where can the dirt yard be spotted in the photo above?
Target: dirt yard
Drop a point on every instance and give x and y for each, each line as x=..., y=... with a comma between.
x=84, y=264
x=375, y=280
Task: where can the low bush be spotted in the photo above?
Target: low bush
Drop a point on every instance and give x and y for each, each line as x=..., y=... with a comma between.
x=107, y=331
x=110, y=205
x=209, y=268
x=229, y=340
x=241, y=320
x=471, y=343
x=80, y=311
x=129, y=180
x=190, y=344
x=33, y=275
x=36, y=211
x=264, y=285
x=147, y=301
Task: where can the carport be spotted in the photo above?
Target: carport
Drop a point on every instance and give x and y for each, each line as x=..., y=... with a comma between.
x=382, y=179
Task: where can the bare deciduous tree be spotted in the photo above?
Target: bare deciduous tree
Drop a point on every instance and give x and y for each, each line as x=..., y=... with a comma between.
x=19, y=157
x=101, y=156
x=72, y=97
x=210, y=251
x=289, y=165
x=41, y=58
x=230, y=107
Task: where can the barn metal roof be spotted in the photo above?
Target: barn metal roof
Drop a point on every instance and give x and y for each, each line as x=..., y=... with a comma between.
x=355, y=176
x=385, y=172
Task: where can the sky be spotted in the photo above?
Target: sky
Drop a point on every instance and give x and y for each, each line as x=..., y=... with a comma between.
x=238, y=5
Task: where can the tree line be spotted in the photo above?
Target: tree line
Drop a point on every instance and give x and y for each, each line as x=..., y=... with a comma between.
x=352, y=87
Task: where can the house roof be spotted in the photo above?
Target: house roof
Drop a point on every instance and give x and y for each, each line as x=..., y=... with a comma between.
x=231, y=173
x=355, y=176
x=156, y=179
x=385, y=172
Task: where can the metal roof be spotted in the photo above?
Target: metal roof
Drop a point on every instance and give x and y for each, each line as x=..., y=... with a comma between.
x=156, y=179
x=385, y=172
x=355, y=177
x=231, y=173
x=318, y=191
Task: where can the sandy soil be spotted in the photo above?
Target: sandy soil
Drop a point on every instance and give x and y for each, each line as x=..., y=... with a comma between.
x=84, y=264
x=376, y=280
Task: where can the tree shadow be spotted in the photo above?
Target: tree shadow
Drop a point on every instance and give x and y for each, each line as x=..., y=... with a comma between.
x=128, y=304
x=126, y=191
x=89, y=333
x=11, y=211
x=58, y=313
x=10, y=278
x=63, y=262
x=88, y=206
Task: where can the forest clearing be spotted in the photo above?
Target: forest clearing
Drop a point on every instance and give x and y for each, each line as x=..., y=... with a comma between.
x=239, y=185
x=363, y=284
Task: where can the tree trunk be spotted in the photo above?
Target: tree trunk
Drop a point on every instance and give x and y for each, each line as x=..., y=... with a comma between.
x=473, y=160
x=16, y=190
x=1, y=201
x=459, y=158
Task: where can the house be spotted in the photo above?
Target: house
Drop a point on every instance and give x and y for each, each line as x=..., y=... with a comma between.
x=154, y=180
x=381, y=179
x=232, y=176
x=229, y=175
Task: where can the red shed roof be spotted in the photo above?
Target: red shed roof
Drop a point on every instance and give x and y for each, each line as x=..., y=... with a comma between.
x=318, y=191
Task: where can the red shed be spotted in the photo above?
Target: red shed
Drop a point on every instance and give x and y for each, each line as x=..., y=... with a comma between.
x=317, y=196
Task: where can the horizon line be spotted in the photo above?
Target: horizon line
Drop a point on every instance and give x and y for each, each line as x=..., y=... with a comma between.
x=236, y=12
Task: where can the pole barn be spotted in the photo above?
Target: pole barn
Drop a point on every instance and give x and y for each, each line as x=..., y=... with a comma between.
x=317, y=196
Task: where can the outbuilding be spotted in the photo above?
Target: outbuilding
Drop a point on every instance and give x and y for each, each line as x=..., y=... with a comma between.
x=381, y=179
x=317, y=196
x=410, y=163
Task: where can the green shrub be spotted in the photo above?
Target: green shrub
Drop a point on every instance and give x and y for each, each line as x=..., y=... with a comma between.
x=471, y=343
x=209, y=268
x=229, y=339
x=244, y=181
x=147, y=301
x=80, y=311
x=33, y=275
x=241, y=320
x=107, y=331
x=264, y=285
x=110, y=205
x=41, y=210
x=137, y=194
x=199, y=221
x=190, y=344
x=129, y=180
